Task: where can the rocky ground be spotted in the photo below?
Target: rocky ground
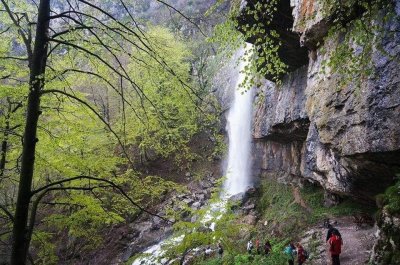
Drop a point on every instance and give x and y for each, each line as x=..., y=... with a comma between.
x=357, y=242
x=149, y=230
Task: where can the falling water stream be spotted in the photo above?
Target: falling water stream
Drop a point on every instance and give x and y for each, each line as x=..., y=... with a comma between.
x=238, y=164
x=239, y=133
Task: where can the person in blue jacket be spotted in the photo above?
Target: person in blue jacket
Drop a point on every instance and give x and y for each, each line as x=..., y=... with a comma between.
x=290, y=252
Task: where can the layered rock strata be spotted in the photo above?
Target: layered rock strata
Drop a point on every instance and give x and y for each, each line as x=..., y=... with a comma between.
x=343, y=135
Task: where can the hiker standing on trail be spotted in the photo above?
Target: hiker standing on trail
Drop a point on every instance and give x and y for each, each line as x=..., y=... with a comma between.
x=301, y=258
x=207, y=252
x=258, y=247
x=290, y=251
x=249, y=246
x=220, y=250
x=335, y=247
x=267, y=248
x=331, y=229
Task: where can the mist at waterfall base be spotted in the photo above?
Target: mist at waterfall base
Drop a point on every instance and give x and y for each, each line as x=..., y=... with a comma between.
x=238, y=164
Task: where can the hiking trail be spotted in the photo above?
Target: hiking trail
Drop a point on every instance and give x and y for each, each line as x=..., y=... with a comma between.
x=357, y=243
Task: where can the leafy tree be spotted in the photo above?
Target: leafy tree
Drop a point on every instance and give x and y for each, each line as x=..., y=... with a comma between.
x=80, y=73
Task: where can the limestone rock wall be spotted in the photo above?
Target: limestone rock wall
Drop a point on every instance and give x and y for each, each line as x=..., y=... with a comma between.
x=313, y=127
x=387, y=247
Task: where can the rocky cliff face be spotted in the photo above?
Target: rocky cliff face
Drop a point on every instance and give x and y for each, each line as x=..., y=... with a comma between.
x=323, y=127
x=344, y=136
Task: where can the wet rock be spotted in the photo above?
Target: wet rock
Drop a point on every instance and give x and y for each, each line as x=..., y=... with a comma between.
x=331, y=199
x=196, y=205
x=205, y=184
x=200, y=197
x=127, y=254
x=243, y=197
x=237, y=198
x=250, y=219
x=387, y=246
x=194, y=218
x=188, y=201
x=249, y=207
x=185, y=215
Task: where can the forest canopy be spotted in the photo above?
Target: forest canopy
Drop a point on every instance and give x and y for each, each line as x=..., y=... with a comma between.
x=90, y=92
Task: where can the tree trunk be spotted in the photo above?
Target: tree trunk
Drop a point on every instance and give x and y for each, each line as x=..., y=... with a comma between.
x=4, y=144
x=21, y=238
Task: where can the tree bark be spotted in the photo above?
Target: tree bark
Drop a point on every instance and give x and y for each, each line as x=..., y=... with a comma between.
x=21, y=239
x=4, y=144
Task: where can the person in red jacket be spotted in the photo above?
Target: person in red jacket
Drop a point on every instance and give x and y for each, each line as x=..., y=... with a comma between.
x=301, y=258
x=335, y=247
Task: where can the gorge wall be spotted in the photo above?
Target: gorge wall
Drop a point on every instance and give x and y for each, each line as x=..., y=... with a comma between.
x=343, y=135
x=326, y=123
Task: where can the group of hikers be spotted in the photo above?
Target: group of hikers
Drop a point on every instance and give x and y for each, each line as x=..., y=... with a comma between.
x=266, y=249
x=293, y=251
x=208, y=251
x=333, y=239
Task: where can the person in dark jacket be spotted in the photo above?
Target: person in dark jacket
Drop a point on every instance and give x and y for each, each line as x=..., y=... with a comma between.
x=301, y=258
x=267, y=248
x=220, y=250
x=331, y=229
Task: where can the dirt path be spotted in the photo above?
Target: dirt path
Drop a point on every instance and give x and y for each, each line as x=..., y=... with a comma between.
x=357, y=243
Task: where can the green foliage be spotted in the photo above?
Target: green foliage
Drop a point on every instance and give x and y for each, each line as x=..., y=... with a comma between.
x=46, y=254
x=295, y=218
x=132, y=99
x=84, y=219
x=276, y=256
x=391, y=199
x=263, y=58
x=170, y=114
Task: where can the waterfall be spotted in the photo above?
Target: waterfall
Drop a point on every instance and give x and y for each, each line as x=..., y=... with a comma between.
x=238, y=164
x=239, y=133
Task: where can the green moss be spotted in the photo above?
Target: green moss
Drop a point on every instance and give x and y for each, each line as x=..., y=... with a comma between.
x=392, y=196
x=279, y=209
x=355, y=40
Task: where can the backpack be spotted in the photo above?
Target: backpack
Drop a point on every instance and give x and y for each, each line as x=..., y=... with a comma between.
x=306, y=254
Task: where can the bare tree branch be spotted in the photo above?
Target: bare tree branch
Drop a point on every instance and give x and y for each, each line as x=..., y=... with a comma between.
x=111, y=183
x=14, y=58
x=26, y=39
x=183, y=15
x=7, y=212
x=96, y=113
